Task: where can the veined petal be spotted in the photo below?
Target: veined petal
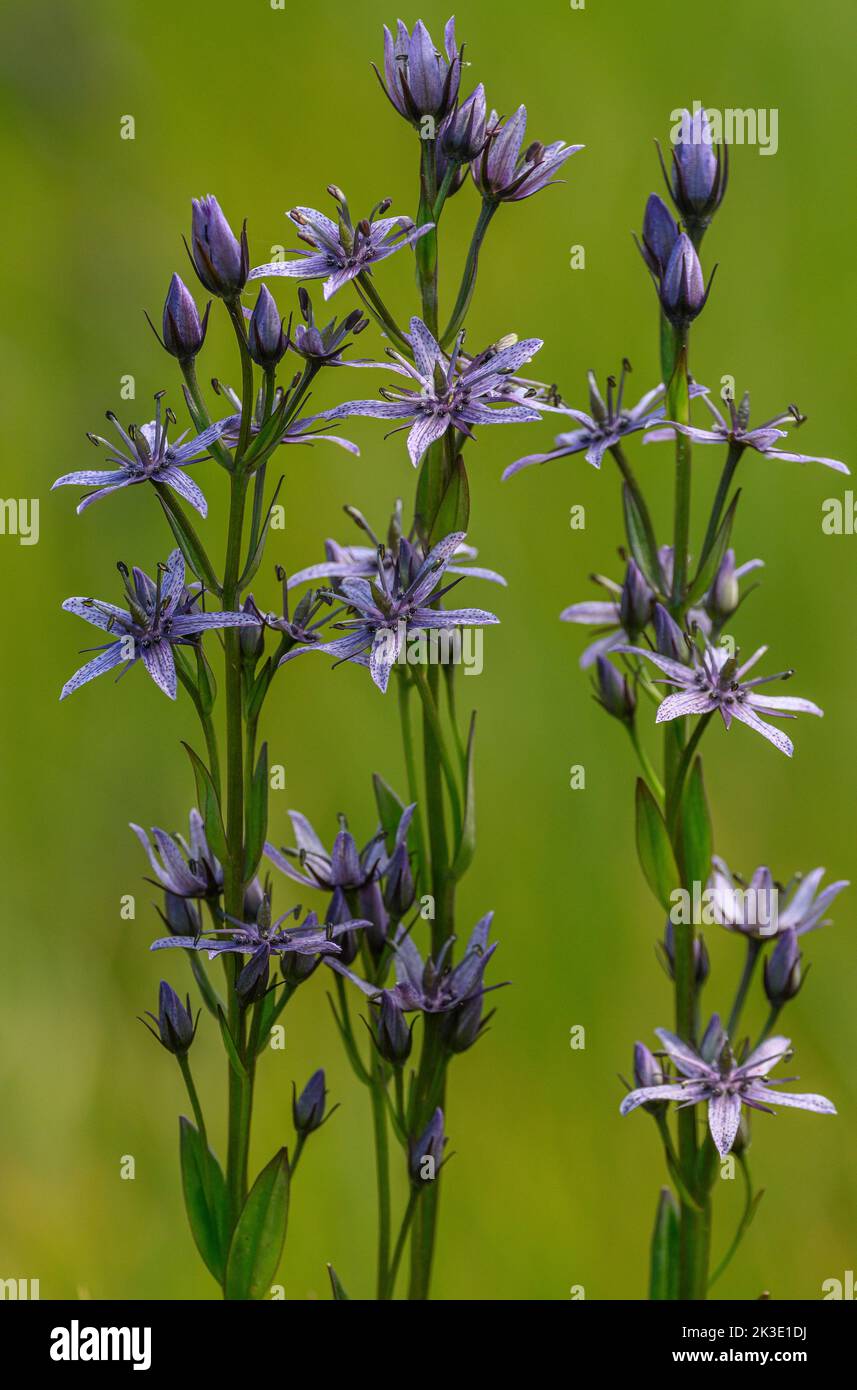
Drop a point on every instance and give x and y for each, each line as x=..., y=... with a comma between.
x=724, y=1117
x=669, y=1091
x=792, y=1100
x=158, y=660
x=743, y=711
x=104, y=615
x=185, y=487
x=105, y=661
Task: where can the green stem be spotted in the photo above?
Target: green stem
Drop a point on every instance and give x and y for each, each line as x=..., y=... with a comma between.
x=628, y=475
x=382, y=1178
x=203, y=420
x=184, y=1066
x=679, y=406
x=411, y=774
x=433, y=716
x=426, y=248
x=754, y=948
x=685, y=761
x=733, y=458
x=645, y=762
x=372, y=301
x=400, y=1242
x=468, y=279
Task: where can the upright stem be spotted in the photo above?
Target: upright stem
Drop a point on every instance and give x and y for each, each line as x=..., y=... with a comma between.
x=382, y=1177
x=680, y=412
x=733, y=458
x=468, y=279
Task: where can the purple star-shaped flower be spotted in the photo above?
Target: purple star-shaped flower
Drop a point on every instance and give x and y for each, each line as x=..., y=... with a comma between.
x=736, y=432
x=341, y=252
x=431, y=985
x=715, y=681
x=712, y=1075
x=344, y=867
x=388, y=610
x=504, y=175
x=147, y=457
x=162, y=615
x=186, y=868
x=799, y=907
x=451, y=393
x=419, y=80
x=599, y=431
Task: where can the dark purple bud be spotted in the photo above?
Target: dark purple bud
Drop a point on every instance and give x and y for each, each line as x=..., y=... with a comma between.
x=724, y=595
x=399, y=891
x=782, y=970
x=252, y=981
x=660, y=233
x=296, y=967
x=222, y=262
x=463, y=135
x=699, y=174
x=669, y=638
x=266, y=340
x=419, y=80
x=647, y=1072
x=254, y=899
x=393, y=1034
x=175, y=1023
x=308, y=1107
x=613, y=691
x=635, y=603
x=683, y=292
x=426, y=1153
x=339, y=911
x=182, y=915
x=183, y=333
x=252, y=638
x=466, y=1025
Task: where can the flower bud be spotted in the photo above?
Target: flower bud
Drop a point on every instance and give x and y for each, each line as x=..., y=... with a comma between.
x=701, y=962
x=669, y=638
x=466, y=1024
x=647, y=1072
x=399, y=891
x=612, y=690
x=463, y=134
x=698, y=175
x=175, y=1024
x=393, y=1035
x=724, y=595
x=308, y=1107
x=266, y=341
x=252, y=638
x=296, y=967
x=635, y=603
x=182, y=915
x=660, y=233
x=683, y=293
x=782, y=970
x=252, y=981
x=425, y=1154
x=183, y=333
x=221, y=261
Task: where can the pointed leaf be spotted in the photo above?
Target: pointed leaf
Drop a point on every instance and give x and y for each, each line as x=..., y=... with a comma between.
x=390, y=809
x=695, y=839
x=664, y=1260
x=231, y=1047
x=467, y=843
x=255, y=558
x=653, y=847
x=638, y=539
x=257, y=815
x=710, y=563
x=205, y=1198
x=260, y=1233
x=339, y=1293
x=187, y=540
x=209, y=805
x=453, y=513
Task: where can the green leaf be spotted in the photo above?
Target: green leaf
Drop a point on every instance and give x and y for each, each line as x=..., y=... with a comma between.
x=339, y=1293
x=695, y=839
x=187, y=540
x=453, y=513
x=260, y=1233
x=255, y=559
x=205, y=1198
x=664, y=1261
x=209, y=805
x=653, y=847
x=390, y=809
x=205, y=682
x=638, y=540
x=256, y=816
x=231, y=1047
x=710, y=564
x=467, y=843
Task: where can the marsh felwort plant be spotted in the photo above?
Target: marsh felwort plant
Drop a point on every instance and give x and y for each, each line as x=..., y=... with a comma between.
x=660, y=657
x=381, y=927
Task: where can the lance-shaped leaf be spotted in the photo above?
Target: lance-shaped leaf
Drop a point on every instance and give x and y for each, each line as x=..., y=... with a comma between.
x=390, y=809
x=256, y=815
x=664, y=1258
x=209, y=805
x=339, y=1293
x=260, y=1233
x=694, y=827
x=453, y=513
x=467, y=843
x=653, y=847
x=231, y=1047
x=639, y=540
x=205, y=1198
x=710, y=563
x=187, y=540
x=257, y=550
x=205, y=682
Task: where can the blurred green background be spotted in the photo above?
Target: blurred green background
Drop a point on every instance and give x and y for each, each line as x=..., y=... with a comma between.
x=264, y=107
